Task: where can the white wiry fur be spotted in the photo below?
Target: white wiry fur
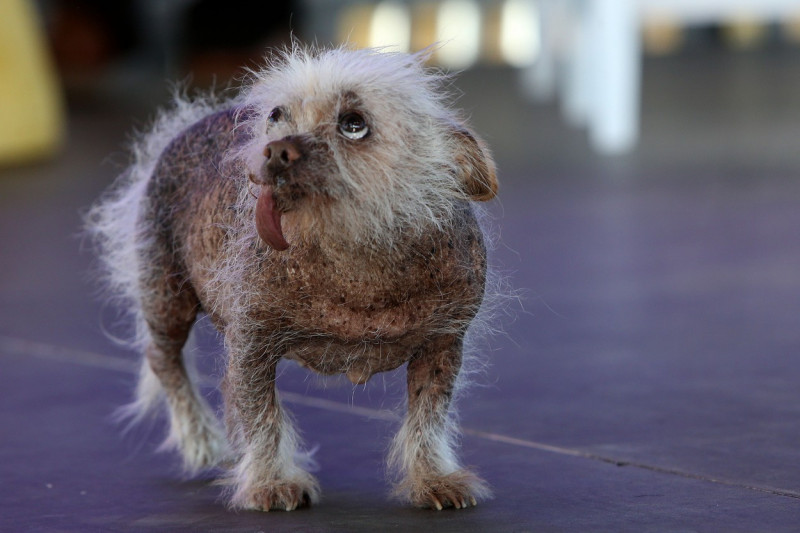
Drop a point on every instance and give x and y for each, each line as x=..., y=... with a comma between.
x=437, y=443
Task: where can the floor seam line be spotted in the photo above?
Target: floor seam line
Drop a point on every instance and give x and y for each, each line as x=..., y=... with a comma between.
x=628, y=463
x=96, y=360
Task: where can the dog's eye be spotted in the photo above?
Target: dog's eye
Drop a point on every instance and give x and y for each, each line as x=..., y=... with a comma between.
x=275, y=115
x=353, y=126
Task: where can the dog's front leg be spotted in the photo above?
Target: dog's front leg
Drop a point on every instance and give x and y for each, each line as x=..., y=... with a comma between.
x=424, y=449
x=266, y=476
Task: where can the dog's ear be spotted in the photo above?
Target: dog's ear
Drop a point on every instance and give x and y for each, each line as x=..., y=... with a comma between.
x=475, y=165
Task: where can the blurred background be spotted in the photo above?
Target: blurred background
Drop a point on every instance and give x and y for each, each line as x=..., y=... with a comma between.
x=647, y=230
x=592, y=59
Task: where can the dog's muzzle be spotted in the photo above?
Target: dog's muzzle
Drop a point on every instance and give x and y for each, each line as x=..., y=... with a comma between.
x=274, y=176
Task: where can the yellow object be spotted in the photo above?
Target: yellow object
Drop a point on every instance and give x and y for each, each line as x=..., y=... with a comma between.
x=662, y=36
x=791, y=29
x=354, y=24
x=745, y=33
x=31, y=106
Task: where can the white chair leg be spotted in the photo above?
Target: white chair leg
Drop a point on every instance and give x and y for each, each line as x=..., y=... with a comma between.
x=539, y=80
x=615, y=64
x=577, y=82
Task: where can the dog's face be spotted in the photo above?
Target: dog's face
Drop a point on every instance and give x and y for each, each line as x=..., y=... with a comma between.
x=359, y=143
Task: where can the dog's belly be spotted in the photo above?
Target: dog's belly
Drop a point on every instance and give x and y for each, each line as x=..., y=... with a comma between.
x=331, y=337
x=358, y=360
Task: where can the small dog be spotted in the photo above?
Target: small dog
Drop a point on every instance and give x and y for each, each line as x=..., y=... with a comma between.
x=324, y=215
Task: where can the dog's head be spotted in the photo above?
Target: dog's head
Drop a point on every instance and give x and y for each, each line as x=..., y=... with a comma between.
x=359, y=145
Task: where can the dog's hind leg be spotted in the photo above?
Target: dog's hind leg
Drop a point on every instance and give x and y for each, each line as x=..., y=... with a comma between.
x=194, y=430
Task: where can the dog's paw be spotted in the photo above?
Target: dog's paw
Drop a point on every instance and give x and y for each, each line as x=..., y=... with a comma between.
x=281, y=496
x=460, y=489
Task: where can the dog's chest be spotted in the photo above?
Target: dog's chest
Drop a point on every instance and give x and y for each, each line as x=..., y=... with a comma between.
x=371, y=314
x=373, y=296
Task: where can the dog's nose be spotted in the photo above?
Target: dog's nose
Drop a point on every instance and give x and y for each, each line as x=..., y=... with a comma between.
x=281, y=154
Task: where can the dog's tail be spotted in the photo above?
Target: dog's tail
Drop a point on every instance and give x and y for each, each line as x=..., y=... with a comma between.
x=123, y=240
x=115, y=224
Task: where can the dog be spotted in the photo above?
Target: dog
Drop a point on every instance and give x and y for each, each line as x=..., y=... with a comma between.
x=324, y=215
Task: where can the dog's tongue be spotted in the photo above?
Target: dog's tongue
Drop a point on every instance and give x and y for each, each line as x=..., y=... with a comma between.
x=268, y=220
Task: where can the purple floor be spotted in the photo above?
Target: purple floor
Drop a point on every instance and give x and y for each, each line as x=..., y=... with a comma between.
x=646, y=379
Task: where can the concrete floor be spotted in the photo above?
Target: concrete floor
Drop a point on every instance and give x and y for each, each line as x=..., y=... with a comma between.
x=646, y=380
